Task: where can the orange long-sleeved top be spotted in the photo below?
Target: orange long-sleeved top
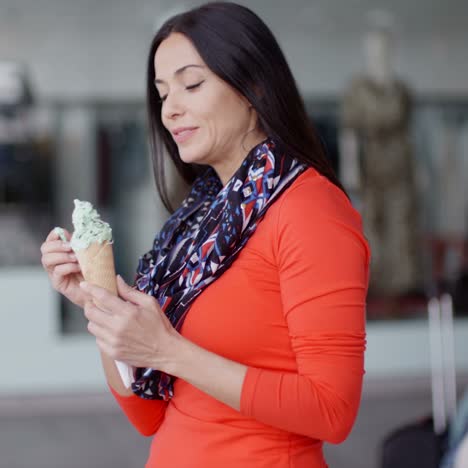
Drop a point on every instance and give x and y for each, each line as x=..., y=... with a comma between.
x=292, y=309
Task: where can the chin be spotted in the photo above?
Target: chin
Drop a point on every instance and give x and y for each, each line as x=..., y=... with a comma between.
x=192, y=156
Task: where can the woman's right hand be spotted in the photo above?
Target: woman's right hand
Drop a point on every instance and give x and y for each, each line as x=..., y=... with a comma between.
x=62, y=267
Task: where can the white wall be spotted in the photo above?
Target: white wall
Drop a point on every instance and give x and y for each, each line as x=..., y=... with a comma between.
x=101, y=51
x=323, y=65
x=35, y=358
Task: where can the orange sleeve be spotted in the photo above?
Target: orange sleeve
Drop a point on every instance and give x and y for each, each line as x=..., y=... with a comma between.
x=323, y=262
x=145, y=415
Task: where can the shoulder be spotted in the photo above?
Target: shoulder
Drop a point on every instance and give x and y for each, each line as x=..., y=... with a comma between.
x=314, y=211
x=357, y=84
x=312, y=194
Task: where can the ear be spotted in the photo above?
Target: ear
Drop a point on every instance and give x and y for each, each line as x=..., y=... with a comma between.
x=258, y=92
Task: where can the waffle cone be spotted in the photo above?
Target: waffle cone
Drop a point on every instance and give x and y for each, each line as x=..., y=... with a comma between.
x=97, y=265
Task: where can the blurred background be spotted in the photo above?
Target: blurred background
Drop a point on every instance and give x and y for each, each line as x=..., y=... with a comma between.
x=386, y=85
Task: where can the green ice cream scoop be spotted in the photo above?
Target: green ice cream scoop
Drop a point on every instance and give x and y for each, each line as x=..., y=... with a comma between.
x=88, y=226
x=61, y=233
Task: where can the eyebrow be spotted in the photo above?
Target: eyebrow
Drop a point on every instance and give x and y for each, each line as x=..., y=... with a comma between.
x=179, y=71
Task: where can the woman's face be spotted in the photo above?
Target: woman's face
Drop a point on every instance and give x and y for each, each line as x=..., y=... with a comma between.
x=207, y=118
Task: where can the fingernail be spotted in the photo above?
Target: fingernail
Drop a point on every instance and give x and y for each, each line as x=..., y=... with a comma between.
x=72, y=257
x=83, y=284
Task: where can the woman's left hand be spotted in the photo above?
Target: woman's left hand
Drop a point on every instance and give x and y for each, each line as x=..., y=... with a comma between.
x=130, y=327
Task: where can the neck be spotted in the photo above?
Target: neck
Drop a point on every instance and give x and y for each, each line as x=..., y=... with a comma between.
x=228, y=166
x=379, y=57
x=380, y=73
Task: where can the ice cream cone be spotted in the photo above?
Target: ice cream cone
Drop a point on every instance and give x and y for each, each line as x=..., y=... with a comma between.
x=97, y=265
x=92, y=243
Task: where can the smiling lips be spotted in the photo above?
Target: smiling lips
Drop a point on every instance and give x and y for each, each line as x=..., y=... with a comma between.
x=183, y=133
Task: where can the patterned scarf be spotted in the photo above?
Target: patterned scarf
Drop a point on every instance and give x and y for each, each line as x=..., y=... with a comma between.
x=202, y=238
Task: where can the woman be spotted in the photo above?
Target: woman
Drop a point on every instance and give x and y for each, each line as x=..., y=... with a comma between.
x=265, y=364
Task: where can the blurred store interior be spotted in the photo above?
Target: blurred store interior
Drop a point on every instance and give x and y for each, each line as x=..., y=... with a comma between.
x=386, y=85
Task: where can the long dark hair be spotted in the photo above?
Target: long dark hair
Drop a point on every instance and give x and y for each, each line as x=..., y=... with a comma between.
x=240, y=49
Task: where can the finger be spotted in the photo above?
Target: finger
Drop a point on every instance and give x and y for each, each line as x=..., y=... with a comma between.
x=132, y=295
x=67, y=235
x=105, y=340
x=51, y=260
x=51, y=266
x=101, y=333
x=104, y=298
x=66, y=269
x=55, y=246
x=54, y=236
x=98, y=316
x=106, y=349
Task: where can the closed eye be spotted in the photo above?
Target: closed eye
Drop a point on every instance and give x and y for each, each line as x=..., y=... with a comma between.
x=189, y=88
x=194, y=86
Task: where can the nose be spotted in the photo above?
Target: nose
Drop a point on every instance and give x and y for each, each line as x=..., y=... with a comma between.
x=173, y=106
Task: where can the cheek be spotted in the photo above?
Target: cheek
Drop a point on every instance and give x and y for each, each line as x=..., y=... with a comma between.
x=225, y=114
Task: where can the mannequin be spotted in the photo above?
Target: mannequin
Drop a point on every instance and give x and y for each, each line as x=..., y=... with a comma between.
x=376, y=165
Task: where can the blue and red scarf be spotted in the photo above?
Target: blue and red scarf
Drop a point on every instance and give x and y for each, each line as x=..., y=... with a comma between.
x=202, y=238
